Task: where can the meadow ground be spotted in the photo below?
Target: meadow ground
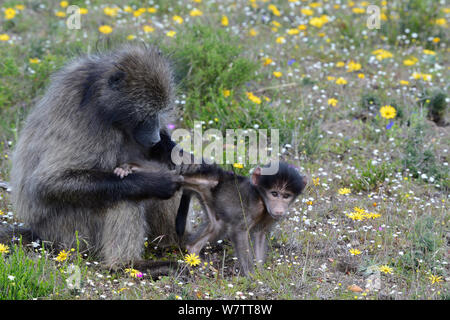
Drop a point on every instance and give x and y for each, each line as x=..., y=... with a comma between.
x=361, y=111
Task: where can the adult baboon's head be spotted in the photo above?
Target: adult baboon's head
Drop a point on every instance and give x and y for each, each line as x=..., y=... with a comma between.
x=132, y=90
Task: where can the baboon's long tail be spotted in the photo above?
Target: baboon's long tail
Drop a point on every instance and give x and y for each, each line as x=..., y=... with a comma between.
x=156, y=268
x=9, y=233
x=183, y=210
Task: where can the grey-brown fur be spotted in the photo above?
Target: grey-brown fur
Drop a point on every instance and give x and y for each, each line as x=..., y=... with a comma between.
x=72, y=140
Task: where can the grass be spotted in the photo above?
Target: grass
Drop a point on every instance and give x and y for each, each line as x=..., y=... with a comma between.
x=270, y=69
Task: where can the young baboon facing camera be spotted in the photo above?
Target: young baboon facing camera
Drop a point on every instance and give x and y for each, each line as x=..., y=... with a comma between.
x=237, y=207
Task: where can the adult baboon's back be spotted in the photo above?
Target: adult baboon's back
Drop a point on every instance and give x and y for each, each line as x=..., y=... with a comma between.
x=99, y=111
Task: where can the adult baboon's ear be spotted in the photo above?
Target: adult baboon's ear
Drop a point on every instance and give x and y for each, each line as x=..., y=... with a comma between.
x=115, y=79
x=255, y=176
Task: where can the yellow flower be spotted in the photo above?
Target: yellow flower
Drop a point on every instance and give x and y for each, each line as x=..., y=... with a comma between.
x=435, y=279
x=171, y=33
x=354, y=252
x=332, y=102
x=267, y=61
x=19, y=7
x=316, y=181
x=83, y=11
x=195, y=13
x=344, y=191
x=131, y=37
x=253, y=98
x=355, y=216
x=361, y=75
x=277, y=74
x=429, y=52
x=238, y=165
x=280, y=40
x=388, y=112
x=111, y=12
x=226, y=93
x=340, y=64
x=276, y=23
x=293, y=31
x=4, y=248
x=436, y=40
x=60, y=14
x=302, y=27
x=319, y=22
x=62, y=256
x=441, y=22
x=358, y=10
x=137, y=13
x=224, y=21
x=274, y=10
x=192, y=259
x=148, y=29
x=252, y=32
x=1, y=213
x=341, y=81
x=127, y=9
x=178, y=19
x=64, y=4
x=152, y=10
x=10, y=13
x=404, y=82
x=34, y=60
x=4, y=37
x=307, y=12
x=331, y=78
x=105, y=29
x=134, y=273
x=353, y=66
x=385, y=269
x=411, y=61
x=382, y=54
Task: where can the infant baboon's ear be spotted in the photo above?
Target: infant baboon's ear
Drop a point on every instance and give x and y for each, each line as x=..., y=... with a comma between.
x=115, y=79
x=255, y=176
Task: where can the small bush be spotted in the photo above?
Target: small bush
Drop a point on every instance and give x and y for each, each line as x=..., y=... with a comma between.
x=23, y=276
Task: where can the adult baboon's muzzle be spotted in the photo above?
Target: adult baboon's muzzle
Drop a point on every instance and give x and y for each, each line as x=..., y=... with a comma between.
x=147, y=132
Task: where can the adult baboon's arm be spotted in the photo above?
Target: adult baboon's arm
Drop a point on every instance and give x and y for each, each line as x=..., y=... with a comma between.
x=93, y=188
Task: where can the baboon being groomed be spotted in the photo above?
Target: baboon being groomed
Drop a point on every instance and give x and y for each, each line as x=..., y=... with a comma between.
x=100, y=111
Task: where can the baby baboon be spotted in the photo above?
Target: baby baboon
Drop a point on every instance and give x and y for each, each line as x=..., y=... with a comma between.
x=237, y=206
x=99, y=111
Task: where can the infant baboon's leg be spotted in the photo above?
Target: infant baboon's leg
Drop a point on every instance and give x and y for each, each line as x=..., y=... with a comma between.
x=259, y=245
x=243, y=250
x=208, y=232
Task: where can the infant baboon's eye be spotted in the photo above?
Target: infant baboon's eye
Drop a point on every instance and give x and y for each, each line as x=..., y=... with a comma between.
x=274, y=193
x=286, y=196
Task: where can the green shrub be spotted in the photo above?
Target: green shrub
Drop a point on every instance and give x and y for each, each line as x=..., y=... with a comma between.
x=24, y=277
x=208, y=61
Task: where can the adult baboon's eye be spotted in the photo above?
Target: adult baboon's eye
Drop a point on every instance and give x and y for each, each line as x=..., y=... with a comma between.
x=274, y=193
x=286, y=196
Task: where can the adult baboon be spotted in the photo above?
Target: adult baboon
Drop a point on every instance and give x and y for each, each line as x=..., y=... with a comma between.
x=99, y=111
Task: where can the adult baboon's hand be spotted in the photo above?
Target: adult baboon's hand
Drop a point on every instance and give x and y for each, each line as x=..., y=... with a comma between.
x=167, y=186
